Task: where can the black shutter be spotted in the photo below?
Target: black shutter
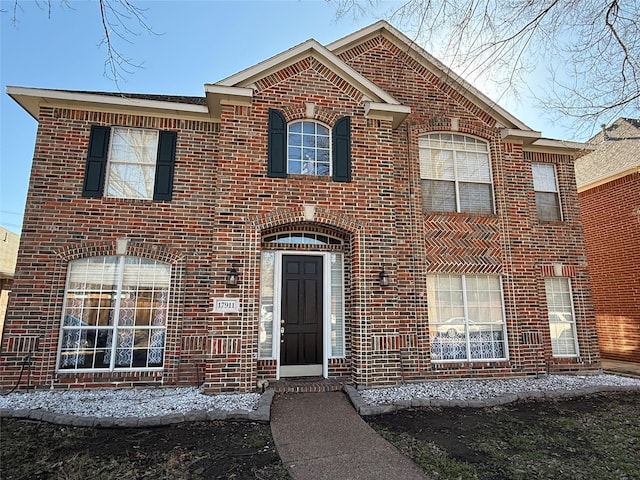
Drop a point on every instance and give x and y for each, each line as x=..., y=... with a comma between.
x=277, y=145
x=165, y=166
x=96, y=164
x=342, y=150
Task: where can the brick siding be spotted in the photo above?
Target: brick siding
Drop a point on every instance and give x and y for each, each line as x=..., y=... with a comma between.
x=223, y=203
x=611, y=215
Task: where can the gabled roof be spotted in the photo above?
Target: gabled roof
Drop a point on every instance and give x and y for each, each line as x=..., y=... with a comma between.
x=434, y=66
x=617, y=154
x=378, y=103
x=238, y=89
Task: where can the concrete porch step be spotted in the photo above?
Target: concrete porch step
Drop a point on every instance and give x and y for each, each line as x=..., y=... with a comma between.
x=309, y=384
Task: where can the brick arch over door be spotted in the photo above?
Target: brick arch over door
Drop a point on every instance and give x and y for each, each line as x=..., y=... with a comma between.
x=308, y=214
x=357, y=282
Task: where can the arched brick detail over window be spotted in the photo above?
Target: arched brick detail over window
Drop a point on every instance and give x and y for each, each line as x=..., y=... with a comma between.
x=133, y=248
x=321, y=114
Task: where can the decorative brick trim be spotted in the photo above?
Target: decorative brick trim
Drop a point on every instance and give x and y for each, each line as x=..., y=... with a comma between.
x=321, y=114
x=108, y=248
x=558, y=270
x=140, y=121
x=22, y=344
x=223, y=345
x=289, y=216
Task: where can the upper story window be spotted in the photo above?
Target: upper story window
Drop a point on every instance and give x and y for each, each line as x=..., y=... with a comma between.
x=456, y=174
x=546, y=188
x=130, y=163
x=308, y=148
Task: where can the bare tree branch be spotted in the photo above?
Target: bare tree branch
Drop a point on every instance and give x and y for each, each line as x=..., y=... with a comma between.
x=121, y=22
x=592, y=48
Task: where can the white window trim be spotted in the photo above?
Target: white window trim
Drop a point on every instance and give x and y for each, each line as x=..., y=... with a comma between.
x=556, y=191
x=573, y=322
x=144, y=165
x=114, y=328
x=309, y=120
x=456, y=181
x=468, y=359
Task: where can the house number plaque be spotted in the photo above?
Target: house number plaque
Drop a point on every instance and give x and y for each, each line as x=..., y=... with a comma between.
x=226, y=305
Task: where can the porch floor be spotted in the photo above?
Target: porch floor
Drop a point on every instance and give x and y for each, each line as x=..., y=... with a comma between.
x=309, y=384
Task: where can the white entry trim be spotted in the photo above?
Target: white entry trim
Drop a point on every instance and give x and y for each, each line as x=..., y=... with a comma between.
x=303, y=370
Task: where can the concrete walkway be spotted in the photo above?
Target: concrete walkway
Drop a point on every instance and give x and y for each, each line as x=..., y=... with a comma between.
x=320, y=436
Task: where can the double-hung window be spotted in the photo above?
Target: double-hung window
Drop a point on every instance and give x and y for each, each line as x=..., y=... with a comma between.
x=466, y=320
x=455, y=172
x=133, y=163
x=546, y=188
x=131, y=168
x=562, y=324
x=115, y=314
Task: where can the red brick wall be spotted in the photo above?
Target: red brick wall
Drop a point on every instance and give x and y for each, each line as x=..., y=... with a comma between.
x=611, y=215
x=223, y=204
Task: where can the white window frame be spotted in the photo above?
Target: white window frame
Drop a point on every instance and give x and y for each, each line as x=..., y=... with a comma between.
x=113, y=328
x=143, y=163
x=538, y=188
x=465, y=324
x=435, y=141
x=315, y=149
x=553, y=314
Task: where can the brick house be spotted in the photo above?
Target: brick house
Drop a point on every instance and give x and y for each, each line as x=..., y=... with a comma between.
x=348, y=211
x=608, y=181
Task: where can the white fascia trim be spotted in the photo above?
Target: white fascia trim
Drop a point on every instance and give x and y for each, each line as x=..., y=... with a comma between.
x=218, y=95
x=384, y=111
x=560, y=146
x=610, y=178
x=32, y=98
x=293, y=55
x=435, y=66
x=515, y=135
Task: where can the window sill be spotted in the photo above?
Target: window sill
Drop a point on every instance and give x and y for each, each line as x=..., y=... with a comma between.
x=315, y=178
x=459, y=214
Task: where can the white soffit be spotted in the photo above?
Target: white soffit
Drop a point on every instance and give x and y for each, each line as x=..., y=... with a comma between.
x=383, y=111
x=558, y=146
x=218, y=95
x=31, y=99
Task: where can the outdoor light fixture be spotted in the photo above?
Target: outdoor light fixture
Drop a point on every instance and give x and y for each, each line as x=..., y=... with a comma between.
x=232, y=277
x=384, y=278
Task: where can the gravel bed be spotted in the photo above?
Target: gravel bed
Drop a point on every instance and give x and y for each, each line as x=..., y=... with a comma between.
x=127, y=403
x=141, y=403
x=465, y=390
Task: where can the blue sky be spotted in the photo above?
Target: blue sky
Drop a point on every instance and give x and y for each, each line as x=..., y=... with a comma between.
x=198, y=42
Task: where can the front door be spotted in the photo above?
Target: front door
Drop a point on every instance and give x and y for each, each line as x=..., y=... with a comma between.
x=301, y=352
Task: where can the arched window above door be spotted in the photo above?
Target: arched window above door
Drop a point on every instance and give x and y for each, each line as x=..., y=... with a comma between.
x=302, y=238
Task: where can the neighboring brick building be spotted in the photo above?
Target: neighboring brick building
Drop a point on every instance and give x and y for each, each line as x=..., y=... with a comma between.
x=608, y=181
x=9, y=242
x=352, y=211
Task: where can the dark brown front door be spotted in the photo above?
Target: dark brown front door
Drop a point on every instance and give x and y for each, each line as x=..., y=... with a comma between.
x=301, y=310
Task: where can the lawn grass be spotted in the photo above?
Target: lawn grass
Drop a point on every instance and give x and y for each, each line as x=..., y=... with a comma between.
x=591, y=438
